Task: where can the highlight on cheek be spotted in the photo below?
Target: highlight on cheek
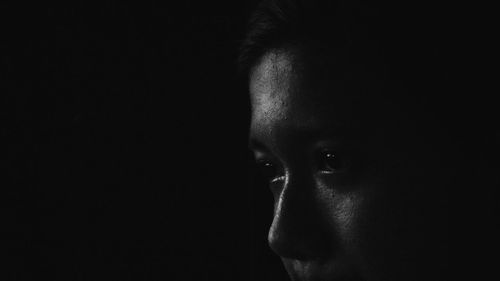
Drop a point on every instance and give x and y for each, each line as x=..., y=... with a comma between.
x=345, y=209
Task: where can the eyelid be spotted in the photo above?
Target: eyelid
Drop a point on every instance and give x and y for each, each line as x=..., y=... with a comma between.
x=337, y=148
x=328, y=145
x=277, y=179
x=261, y=156
x=267, y=160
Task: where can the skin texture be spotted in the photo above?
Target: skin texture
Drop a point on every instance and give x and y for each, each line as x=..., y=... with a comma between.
x=379, y=213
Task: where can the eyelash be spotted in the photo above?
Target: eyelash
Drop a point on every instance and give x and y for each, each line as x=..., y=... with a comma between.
x=268, y=170
x=326, y=161
x=330, y=161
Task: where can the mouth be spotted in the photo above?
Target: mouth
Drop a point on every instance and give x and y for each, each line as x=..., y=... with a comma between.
x=310, y=271
x=327, y=278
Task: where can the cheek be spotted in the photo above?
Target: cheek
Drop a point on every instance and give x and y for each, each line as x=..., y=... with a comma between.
x=359, y=221
x=344, y=211
x=347, y=211
x=377, y=241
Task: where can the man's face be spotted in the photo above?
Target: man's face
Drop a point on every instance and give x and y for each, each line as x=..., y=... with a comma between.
x=352, y=175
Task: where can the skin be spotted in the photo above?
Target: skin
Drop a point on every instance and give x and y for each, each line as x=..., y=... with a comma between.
x=377, y=212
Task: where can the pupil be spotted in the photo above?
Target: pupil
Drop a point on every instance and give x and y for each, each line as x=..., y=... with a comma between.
x=332, y=161
x=268, y=170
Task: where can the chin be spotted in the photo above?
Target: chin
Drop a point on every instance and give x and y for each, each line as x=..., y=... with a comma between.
x=320, y=271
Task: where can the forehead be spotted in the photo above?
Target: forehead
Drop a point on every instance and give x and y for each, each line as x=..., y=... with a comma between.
x=283, y=92
x=271, y=85
x=293, y=97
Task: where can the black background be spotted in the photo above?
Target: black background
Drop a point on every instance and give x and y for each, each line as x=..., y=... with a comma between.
x=124, y=129
x=126, y=153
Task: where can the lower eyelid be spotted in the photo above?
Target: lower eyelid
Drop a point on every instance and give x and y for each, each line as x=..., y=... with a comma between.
x=339, y=172
x=280, y=178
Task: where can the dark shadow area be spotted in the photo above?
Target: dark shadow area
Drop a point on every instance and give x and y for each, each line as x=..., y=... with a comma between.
x=125, y=145
x=125, y=154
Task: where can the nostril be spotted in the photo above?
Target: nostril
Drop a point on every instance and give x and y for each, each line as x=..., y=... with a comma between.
x=298, y=245
x=295, y=235
x=283, y=245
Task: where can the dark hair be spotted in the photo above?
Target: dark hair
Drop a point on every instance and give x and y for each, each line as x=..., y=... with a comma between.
x=412, y=41
x=406, y=38
x=340, y=34
x=299, y=23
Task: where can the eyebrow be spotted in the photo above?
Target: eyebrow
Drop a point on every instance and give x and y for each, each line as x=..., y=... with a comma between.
x=305, y=136
x=255, y=144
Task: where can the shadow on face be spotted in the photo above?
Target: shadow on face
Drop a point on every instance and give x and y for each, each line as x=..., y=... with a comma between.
x=358, y=180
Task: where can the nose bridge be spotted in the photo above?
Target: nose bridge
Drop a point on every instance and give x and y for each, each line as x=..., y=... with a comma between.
x=297, y=231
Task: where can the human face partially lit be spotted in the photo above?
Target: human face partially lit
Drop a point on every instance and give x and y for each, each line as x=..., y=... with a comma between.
x=343, y=175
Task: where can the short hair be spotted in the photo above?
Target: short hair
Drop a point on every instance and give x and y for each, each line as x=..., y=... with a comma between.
x=338, y=34
x=413, y=41
x=405, y=38
x=283, y=23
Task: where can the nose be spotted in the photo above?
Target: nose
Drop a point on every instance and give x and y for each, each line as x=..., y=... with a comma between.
x=298, y=230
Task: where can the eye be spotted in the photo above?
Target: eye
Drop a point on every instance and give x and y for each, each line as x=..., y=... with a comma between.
x=267, y=170
x=332, y=162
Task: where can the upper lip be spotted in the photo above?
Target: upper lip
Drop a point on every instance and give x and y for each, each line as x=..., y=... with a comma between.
x=300, y=271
